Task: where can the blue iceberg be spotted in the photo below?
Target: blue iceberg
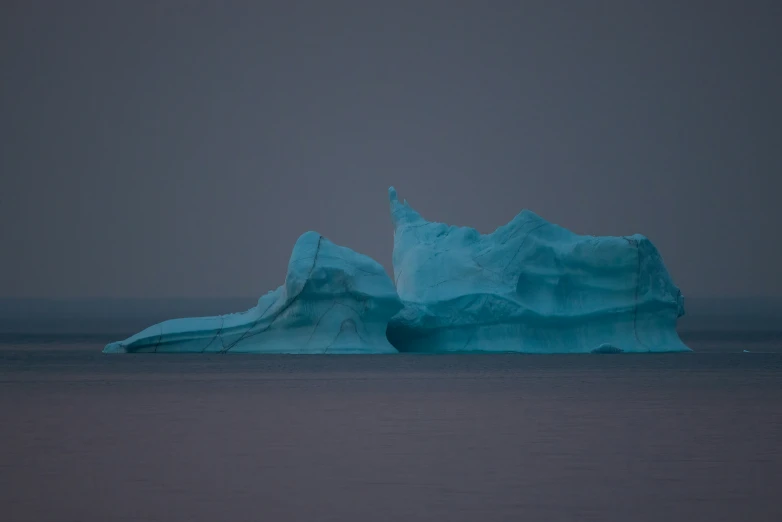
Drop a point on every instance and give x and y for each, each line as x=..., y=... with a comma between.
x=334, y=300
x=530, y=286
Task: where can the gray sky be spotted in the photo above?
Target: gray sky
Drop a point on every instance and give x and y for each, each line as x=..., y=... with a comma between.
x=157, y=149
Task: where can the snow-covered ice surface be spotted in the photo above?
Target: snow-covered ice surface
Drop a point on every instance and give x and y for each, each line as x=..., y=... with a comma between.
x=530, y=286
x=334, y=300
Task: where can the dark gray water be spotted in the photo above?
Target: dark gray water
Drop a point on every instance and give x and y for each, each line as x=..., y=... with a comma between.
x=681, y=437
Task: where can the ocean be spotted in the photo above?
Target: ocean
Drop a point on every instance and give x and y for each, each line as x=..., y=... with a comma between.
x=629, y=437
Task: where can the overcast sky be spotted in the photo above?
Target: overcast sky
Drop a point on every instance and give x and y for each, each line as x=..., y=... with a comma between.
x=159, y=149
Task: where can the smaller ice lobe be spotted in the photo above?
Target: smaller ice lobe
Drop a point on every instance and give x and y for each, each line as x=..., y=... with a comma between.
x=334, y=300
x=530, y=286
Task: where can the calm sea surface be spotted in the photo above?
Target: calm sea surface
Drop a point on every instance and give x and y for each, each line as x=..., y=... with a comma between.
x=680, y=437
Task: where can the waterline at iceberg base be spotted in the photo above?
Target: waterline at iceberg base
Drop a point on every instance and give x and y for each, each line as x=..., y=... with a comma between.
x=528, y=287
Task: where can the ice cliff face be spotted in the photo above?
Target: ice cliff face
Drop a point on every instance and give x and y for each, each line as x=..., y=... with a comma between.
x=530, y=286
x=334, y=300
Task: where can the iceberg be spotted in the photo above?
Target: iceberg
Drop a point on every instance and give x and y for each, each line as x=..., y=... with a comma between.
x=334, y=300
x=530, y=286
